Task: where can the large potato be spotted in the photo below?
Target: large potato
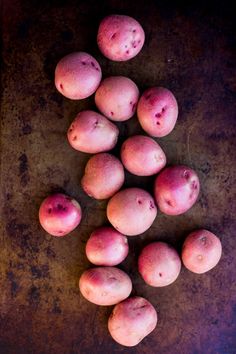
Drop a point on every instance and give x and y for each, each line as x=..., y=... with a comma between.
x=117, y=98
x=106, y=247
x=176, y=189
x=201, y=251
x=157, y=111
x=77, y=75
x=132, y=320
x=105, y=285
x=142, y=156
x=103, y=177
x=92, y=133
x=120, y=37
x=159, y=264
x=59, y=214
x=131, y=211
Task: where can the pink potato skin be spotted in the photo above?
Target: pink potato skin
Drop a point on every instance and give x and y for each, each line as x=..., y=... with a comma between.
x=105, y=286
x=142, y=156
x=77, y=75
x=117, y=98
x=132, y=320
x=159, y=264
x=104, y=176
x=92, y=133
x=176, y=189
x=120, y=37
x=131, y=211
x=157, y=111
x=59, y=214
x=201, y=251
x=106, y=247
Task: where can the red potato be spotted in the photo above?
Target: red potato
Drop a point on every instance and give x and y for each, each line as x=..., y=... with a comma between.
x=120, y=37
x=176, y=189
x=142, y=156
x=77, y=75
x=59, y=214
x=104, y=176
x=117, y=98
x=132, y=320
x=201, y=251
x=131, y=211
x=105, y=285
x=159, y=264
x=92, y=133
x=106, y=247
x=157, y=111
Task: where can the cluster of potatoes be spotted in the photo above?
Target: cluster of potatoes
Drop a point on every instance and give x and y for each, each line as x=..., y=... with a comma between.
x=130, y=211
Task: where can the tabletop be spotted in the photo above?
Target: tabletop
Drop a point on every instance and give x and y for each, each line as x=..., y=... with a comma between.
x=192, y=51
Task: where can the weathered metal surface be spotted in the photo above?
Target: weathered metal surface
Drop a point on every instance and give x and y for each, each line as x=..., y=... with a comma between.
x=192, y=51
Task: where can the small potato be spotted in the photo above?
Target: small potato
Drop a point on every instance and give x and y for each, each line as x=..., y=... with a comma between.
x=120, y=37
x=117, y=98
x=59, y=214
x=106, y=247
x=104, y=176
x=105, y=285
x=131, y=211
x=142, y=156
x=77, y=75
x=92, y=133
x=132, y=320
x=176, y=189
x=159, y=264
x=157, y=111
x=201, y=251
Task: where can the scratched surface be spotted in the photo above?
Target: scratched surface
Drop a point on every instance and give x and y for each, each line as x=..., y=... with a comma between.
x=192, y=51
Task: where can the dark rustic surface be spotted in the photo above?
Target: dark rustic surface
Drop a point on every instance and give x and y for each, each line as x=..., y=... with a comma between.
x=192, y=51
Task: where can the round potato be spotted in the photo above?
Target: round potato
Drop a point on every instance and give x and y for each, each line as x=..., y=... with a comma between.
x=103, y=177
x=106, y=247
x=131, y=211
x=159, y=264
x=201, y=251
x=77, y=75
x=120, y=37
x=142, y=156
x=132, y=320
x=157, y=111
x=92, y=133
x=105, y=285
x=176, y=189
x=117, y=98
x=59, y=214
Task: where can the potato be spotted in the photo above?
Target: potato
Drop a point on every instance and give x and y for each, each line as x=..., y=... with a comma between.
x=176, y=189
x=142, y=156
x=106, y=247
x=201, y=251
x=117, y=98
x=77, y=75
x=103, y=177
x=92, y=133
x=120, y=37
x=157, y=111
x=132, y=320
x=105, y=285
x=159, y=264
x=131, y=211
x=59, y=214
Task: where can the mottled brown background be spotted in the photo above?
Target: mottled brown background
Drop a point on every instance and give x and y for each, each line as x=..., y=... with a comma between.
x=192, y=51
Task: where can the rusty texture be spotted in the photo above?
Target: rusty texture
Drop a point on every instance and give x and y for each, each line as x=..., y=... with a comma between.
x=192, y=51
